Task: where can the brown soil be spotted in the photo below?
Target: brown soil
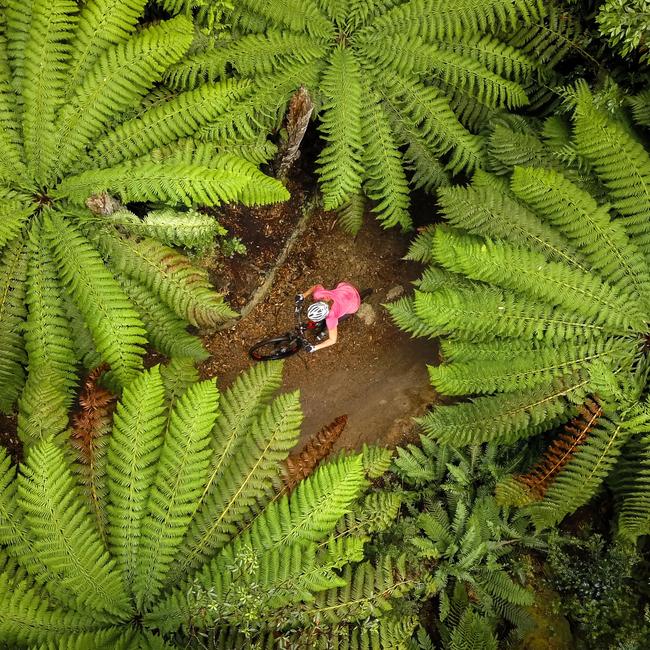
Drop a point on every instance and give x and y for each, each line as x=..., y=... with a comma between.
x=376, y=374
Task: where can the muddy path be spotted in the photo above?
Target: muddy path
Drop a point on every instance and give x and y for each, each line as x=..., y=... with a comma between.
x=376, y=374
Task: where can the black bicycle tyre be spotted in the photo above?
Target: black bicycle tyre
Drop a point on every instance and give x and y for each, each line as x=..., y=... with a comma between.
x=280, y=347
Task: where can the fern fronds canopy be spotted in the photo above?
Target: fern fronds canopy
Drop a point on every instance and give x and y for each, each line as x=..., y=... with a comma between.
x=198, y=531
x=539, y=283
x=78, y=120
x=399, y=86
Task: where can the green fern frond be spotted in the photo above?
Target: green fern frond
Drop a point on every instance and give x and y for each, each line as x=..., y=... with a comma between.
x=404, y=315
x=374, y=514
x=18, y=27
x=501, y=313
x=15, y=210
x=631, y=482
x=13, y=273
x=169, y=275
x=256, y=188
x=525, y=271
x=622, y=164
x=376, y=460
x=576, y=215
x=425, y=110
x=116, y=82
x=294, y=14
x=428, y=172
x=385, y=180
x=29, y=617
x=506, y=417
x=132, y=457
x=55, y=514
x=482, y=211
x=367, y=592
x=509, y=148
x=340, y=161
x=259, y=54
x=108, y=638
x=414, y=464
x=101, y=24
x=178, y=375
x=312, y=510
x=455, y=71
x=170, y=121
x=502, y=587
x=165, y=330
x=176, y=184
x=548, y=37
x=529, y=368
x=242, y=487
x=47, y=340
x=42, y=407
x=45, y=57
x=256, y=149
x=421, y=248
x=178, y=483
x=351, y=214
x=640, y=105
x=190, y=229
x=85, y=348
x=501, y=58
x=425, y=19
x=117, y=331
x=12, y=166
x=473, y=632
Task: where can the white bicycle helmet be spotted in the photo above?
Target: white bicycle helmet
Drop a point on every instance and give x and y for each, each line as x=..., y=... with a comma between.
x=318, y=311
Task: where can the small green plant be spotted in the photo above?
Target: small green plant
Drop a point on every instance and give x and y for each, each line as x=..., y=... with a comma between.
x=231, y=246
x=626, y=24
x=603, y=590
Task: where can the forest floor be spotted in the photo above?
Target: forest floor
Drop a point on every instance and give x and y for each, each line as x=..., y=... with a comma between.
x=375, y=374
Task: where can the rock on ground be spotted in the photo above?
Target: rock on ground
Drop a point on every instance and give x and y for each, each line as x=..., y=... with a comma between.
x=367, y=313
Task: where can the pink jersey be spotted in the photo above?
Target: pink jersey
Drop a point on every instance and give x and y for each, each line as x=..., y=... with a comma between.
x=345, y=300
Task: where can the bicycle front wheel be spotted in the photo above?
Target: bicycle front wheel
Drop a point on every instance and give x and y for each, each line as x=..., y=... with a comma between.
x=276, y=348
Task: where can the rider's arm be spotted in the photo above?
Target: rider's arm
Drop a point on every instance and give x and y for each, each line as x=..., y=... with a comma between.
x=331, y=340
x=309, y=291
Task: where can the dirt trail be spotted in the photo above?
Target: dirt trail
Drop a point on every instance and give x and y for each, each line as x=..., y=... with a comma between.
x=375, y=374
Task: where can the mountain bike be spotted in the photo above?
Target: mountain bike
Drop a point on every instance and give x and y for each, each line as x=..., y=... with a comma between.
x=284, y=345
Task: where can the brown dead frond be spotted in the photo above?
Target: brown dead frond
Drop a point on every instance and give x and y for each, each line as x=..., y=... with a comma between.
x=300, y=465
x=96, y=405
x=561, y=450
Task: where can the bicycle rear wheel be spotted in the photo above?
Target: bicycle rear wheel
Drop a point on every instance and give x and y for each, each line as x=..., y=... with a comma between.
x=275, y=348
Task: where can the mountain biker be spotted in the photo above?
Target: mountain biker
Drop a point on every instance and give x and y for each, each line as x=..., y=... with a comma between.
x=331, y=306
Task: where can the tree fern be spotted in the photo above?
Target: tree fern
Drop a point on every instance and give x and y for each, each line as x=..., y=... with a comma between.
x=435, y=69
x=63, y=585
x=548, y=291
x=77, y=121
